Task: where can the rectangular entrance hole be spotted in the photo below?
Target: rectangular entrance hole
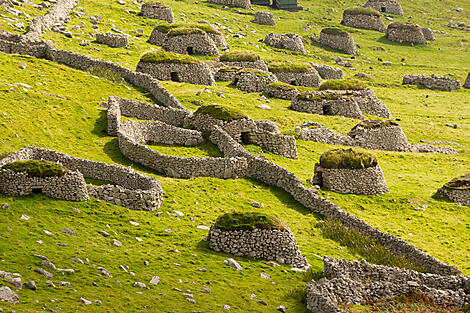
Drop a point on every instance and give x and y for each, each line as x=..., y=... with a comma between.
x=175, y=77
x=383, y=9
x=36, y=191
x=293, y=82
x=245, y=137
x=190, y=50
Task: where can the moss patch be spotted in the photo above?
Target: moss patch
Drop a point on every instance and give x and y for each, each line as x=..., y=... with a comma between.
x=342, y=84
x=182, y=31
x=229, y=69
x=167, y=57
x=154, y=4
x=310, y=96
x=403, y=26
x=282, y=86
x=347, y=159
x=36, y=168
x=282, y=67
x=166, y=27
x=361, y=11
x=462, y=182
x=222, y=112
x=248, y=221
x=240, y=56
x=335, y=31
x=374, y=124
x=255, y=71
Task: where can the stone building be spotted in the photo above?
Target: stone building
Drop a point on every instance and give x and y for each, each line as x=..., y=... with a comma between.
x=466, y=85
x=281, y=90
x=390, y=6
x=432, y=82
x=457, y=190
x=157, y=10
x=379, y=135
x=328, y=72
x=112, y=39
x=338, y=39
x=264, y=18
x=245, y=4
x=226, y=73
x=405, y=32
x=243, y=59
x=253, y=80
x=366, y=18
x=428, y=34
x=285, y=41
x=189, y=41
x=295, y=74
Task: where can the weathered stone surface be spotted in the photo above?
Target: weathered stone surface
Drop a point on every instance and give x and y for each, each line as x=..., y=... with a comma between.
x=193, y=73
x=198, y=43
x=245, y=4
x=8, y=295
x=12, y=278
x=306, y=79
x=343, y=42
x=328, y=72
x=253, y=80
x=285, y=41
x=410, y=34
x=390, y=6
x=157, y=10
x=112, y=39
x=264, y=18
x=432, y=82
x=467, y=82
x=364, y=21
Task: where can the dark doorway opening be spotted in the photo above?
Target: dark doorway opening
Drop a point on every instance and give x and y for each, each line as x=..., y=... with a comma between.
x=293, y=83
x=190, y=50
x=327, y=110
x=245, y=137
x=175, y=77
x=36, y=191
x=383, y=9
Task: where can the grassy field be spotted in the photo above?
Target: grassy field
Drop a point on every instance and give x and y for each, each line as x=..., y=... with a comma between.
x=77, y=125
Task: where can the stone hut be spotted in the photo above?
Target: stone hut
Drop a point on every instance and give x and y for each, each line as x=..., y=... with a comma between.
x=467, y=82
x=328, y=72
x=175, y=67
x=113, y=40
x=260, y=240
x=366, y=18
x=281, y=90
x=264, y=18
x=226, y=73
x=380, y=135
x=157, y=10
x=253, y=80
x=245, y=4
x=243, y=59
x=285, y=41
x=457, y=190
x=295, y=74
x=189, y=41
x=432, y=82
x=349, y=171
x=338, y=39
x=405, y=32
x=428, y=34
x=390, y=6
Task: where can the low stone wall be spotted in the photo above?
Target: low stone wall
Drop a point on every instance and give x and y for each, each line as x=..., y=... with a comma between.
x=428, y=34
x=367, y=181
x=363, y=21
x=266, y=244
x=191, y=44
x=392, y=7
x=157, y=37
x=321, y=103
x=306, y=79
x=280, y=93
x=157, y=10
x=260, y=65
x=362, y=283
x=112, y=40
x=226, y=74
x=285, y=41
x=328, y=72
x=70, y=187
x=57, y=13
x=461, y=196
x=245, y=4
x=264, y=18
x=432, y=82
x=340, y=42
x=466, y=85
x=370, y=104
x=315, y=132
x=414, y=35
x=193, y=73
x=390, y=138
x=134, y=191
x=253, y=81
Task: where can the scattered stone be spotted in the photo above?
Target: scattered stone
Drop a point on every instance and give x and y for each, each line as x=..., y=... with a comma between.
x=139, y=285
x=204, y=227
x=87, y=302
x=265, y=276
x=31, y=285
x=25, y=217
x=451, y=125
x=231, y=262
x=43, y=272
x=49, y=264
x=69, y=231
x=104, y=271
x=12, y=278
x=117, y=243
x=78, y=260
x=257, y=205
x=281, y=308
x=155, y=280
x=8, y=295
x=227, y=307
x=262, y=302
x=48, y=232
x=264, y=107
x=105, y=234
x=65, y=284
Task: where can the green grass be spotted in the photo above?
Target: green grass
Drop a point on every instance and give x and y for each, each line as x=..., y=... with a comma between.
x=255, y=71
x=280, y=67
x=36, y=168
x=167, y=57
x=203, y=150
x=184, y=31
x=167, y=28
x=106, y=73
x=221, y=112
x=374, y=124
x=248, y=221
x=347, y=159
x=462, y=182
x=239, y=56
x=335, y=31
x=342, y=84
x=282, y=86
x=361, y=11
x=403, y=25
x=152, y=4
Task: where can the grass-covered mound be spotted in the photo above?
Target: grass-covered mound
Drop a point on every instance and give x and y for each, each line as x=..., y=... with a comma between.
x=361, y=11
x=255, y=71
x=239, y=56
x=154, y=4
x=167, y=57
x=347, y=159
x=283, y=67
x=404, y=26
x=375, y=124
x=335, y=31
x=182, y=31
x=222, y=112
x=342, y=84
x=36, y=168
x=248, y=221
x=312, y=96
x=229, y=69
x=166, y=27
x=462, y=182
x=282, y=86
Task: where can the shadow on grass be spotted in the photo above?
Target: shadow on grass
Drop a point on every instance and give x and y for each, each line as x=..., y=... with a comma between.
x=101, y=125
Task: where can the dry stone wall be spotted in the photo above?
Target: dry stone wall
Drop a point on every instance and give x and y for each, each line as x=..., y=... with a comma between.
x=457, y=195
x=306, y=79
x=226, y=73
x=390, y=138
x=191, y=44
x=405, y=34
x=432, y=82
x=392, y=7
x=343, y=42
x=364, y=21
x=193, y=73
x=251, y=81
x=281, y=93
x=112, y=40
x=245, y=4
x=328, y=72
x=466, y=85
x=260, y=65
x=285, y=41
x=157, y=10
x=327, y=103
x=269, y=244
x=264, y=18
x=428, y=34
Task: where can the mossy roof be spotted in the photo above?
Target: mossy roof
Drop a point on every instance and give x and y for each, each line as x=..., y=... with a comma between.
x=240, y=56
x=375, y=124
x=286, y=67
x=342, y=84
x=167, y=57
x=335, y=31
x=248, y=221
x=361, y=11
x=222, y=112
x=35, y=168
x=347, y=159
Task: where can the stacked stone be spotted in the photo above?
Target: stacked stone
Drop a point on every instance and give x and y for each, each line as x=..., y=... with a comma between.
x=428, y=34
x=112, y=40
x=342, y=41
x=259, y=64
x=226, y=73
x=281, y=92
x=309, y=78
x=158, y=38
x=253, y=80
x=432, y=82
x=264, y=18
x=390, y=6
x=316, y=132
x=195, y=43
x=269, y=244
x=285, y=41
x=380, y=137
x=405, y=32
x=365, y=21
x=467, y=82
x=370, y=104
x=193, y=73
x=328, y=72
x=245, y=4
x=457, y=194
x=157, y=10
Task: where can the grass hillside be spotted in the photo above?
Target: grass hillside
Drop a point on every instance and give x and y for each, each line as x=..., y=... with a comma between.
x=56, y=107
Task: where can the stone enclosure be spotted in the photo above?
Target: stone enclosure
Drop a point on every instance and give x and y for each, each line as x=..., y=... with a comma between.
x=157, y=10
x=432, y=82
x=253, y=80
x=405, y=32
x=457, y=190
x=369, y=20
x=338, y=39
x=392, y=7
x=307, y=77
x=285, y=41
x=264, y=18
